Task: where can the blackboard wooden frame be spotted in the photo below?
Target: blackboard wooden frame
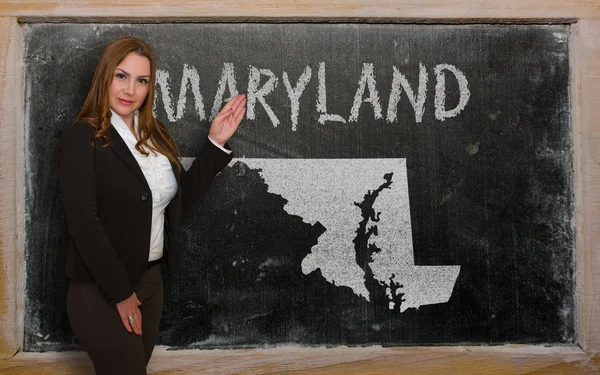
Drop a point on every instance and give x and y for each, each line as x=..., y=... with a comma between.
x=583, y=15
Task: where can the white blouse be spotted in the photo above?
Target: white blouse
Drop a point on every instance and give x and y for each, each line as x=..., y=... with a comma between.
x=160, y=178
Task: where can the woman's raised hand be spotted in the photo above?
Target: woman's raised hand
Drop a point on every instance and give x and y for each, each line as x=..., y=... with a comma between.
x=228, y=120
x=130, y=314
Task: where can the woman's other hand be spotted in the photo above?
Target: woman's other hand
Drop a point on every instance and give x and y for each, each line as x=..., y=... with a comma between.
x=131, y=316
x=228, y=120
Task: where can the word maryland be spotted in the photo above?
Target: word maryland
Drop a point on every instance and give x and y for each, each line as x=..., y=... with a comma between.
x=263, y=82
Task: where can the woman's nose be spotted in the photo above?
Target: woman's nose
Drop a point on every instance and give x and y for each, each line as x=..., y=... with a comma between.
x=130, y=87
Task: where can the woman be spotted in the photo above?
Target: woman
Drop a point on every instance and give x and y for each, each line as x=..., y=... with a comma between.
x=123, y=190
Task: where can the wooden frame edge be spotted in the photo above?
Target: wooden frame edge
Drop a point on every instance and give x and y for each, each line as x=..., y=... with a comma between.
x=579, y=212
x=20, y=131
x=587, y=298
x=589, y=104
x=298, y=9
x=323, y=19
x=11, y=259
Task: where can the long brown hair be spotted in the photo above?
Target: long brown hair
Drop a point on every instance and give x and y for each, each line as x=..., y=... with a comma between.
x=153, y=135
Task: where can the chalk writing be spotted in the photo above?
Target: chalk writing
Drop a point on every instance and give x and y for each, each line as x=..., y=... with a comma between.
x=366, y=92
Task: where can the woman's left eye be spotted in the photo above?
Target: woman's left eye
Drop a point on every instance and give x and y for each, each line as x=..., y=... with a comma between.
x=143, y=80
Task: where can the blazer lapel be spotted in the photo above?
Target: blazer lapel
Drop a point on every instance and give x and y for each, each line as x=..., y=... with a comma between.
x=177, y=176
x=118, y=145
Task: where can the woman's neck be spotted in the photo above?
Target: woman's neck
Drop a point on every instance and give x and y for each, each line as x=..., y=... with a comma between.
x=130, y=122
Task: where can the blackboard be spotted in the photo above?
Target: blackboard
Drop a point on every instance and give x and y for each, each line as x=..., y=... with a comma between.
x=393, y=184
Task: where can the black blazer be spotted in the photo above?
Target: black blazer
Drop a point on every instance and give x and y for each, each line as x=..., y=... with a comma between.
x=108, y=206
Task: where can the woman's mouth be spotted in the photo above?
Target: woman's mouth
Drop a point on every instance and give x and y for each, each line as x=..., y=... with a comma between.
x=126, y=102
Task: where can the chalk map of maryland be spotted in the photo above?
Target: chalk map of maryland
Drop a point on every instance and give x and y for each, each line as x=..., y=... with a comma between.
x=366, y=244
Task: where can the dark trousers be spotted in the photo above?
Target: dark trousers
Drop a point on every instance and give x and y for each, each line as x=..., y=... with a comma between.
x=99, y=329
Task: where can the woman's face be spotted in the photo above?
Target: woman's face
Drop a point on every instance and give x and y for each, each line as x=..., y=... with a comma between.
x=130, y=85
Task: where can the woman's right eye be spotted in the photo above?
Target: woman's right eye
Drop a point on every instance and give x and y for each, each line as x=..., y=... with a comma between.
x=120, y=75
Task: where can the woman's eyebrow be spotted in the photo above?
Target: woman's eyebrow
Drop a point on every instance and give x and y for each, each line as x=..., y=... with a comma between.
x=127, y=74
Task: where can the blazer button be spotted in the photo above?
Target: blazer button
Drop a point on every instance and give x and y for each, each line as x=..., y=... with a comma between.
x=144, y=196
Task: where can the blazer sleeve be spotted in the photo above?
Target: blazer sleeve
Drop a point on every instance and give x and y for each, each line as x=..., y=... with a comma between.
x=77, y=181
x=210, y=160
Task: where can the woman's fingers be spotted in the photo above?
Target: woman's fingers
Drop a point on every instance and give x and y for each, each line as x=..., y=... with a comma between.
x=233, y=102
x=229, y=107
x=130, y=314
x=133, y=321
x=228, y=120
x=239, y=113
x=136, y=325
x=136, y=322
x=236, y=113
x=125, y=322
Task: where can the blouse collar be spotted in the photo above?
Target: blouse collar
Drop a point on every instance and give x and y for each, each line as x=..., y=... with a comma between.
x=117, y=121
